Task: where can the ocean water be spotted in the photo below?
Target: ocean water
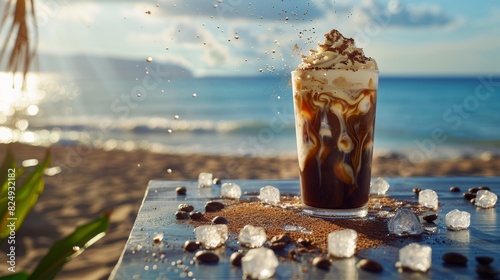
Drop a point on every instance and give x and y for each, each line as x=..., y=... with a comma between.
x=420, y=117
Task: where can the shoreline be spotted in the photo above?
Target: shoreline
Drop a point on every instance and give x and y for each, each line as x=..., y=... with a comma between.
x=93, y=180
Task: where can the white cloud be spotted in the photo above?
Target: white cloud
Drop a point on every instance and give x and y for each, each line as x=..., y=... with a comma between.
x=82, y=12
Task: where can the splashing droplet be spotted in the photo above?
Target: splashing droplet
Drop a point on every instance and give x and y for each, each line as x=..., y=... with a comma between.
x=236, y=37
x=149, y=59
x=169, y=131
x=176, y=117
x=260, y=70
x=216, y=6
x=195, y=95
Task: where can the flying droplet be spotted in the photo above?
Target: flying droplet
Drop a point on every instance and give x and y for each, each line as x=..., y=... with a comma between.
x=138, y=165
x=236, y=37
x=169, y=131
x=216, y=6
x=260, y=70
x=195, y=95
x=274, y=51
x=75, y=248
x=149, y=59
x=169, y=171
x=176, y=117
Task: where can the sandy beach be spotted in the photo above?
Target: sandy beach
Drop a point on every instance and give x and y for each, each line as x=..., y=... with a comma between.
x=92, y=181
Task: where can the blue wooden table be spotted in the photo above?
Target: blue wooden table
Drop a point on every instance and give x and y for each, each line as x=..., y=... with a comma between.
x=142, y=258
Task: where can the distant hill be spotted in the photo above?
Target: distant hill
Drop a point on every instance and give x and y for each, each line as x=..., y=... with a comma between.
x=110, y=67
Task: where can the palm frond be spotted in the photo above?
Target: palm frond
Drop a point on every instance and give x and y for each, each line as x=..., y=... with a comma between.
x=21, y=38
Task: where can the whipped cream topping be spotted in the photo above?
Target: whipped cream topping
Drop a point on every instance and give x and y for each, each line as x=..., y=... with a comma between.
x=337, y=52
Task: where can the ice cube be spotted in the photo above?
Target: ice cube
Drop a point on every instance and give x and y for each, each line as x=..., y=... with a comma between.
x=259, y=263
x=205, y=179
x=485, y=199
x=342, y=243
x=211, y=236
x=252, y=237
x=457, y=220
x=405, y=222
x=416, y=257
x=428, y=198
x=230, y=190
x=379, y=186
x=269, y=194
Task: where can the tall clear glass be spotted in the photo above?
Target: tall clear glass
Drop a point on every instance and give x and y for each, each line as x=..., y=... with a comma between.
x=334, y=121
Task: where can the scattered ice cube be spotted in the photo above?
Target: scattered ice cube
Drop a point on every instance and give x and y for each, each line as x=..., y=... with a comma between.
x=457, y=220
x=259, y=263
x=486, y=199
x=230, y=190
x=269, y=194
x=428, y=198
x=379, y=186
x=416, y=257
x=252, y=237
x=205, y=179
x=405, y=222
x=342, y=243
x=211, y=236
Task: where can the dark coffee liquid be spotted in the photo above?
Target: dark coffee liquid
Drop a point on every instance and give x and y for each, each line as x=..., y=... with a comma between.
x=338, y=134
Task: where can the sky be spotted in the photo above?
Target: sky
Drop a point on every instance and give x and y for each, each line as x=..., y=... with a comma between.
x=236, y=37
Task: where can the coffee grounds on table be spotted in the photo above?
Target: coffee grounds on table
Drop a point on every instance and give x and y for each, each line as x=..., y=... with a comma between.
x=372, y=231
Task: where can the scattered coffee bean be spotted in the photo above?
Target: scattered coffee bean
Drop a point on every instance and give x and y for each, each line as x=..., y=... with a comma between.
x=304, y=241
x=369, y=265
x=181, y=215
x=416, y=190
x=285, y=238
x=219, y=220
x=321, y=262
x=195, y=215
x=213, y=206
x=191, y=245
x=430, y=217
x=454, y=258
x=206, y=256
x=180, y=190
x=277, y=246
x=469, y=195
x=216, y=181
x=185, y=207
x=484, y=188
x=486, y=271
x=454, y=189
x=484, y=260
x=235, y=258
x=473, y=190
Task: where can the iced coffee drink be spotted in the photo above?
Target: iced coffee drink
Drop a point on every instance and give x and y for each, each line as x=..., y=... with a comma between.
x=335, y=92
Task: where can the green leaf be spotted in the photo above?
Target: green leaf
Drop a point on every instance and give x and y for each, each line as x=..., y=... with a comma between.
x=70, y=247
x=27, y=189
x=16, y=276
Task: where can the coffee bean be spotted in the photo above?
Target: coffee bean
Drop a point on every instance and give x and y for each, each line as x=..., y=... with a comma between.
x=185, y=207
x=219, y=220
x=484, y=188
x=370, y=265
x=235, y=258
x=469, y=195
x=195, y=215
x=180, y=190
x=206, y=256
x=191, y=245
x=304, y=241
x=473, y=190
x=484, y=260
x=430, y=217
x=181, y=215
x=454, y=258
x=213, y=206
x=322, y=262
x=285, y=238
x=277, y=246
x=486, y=271
x=454, y=189
x=416, y=190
